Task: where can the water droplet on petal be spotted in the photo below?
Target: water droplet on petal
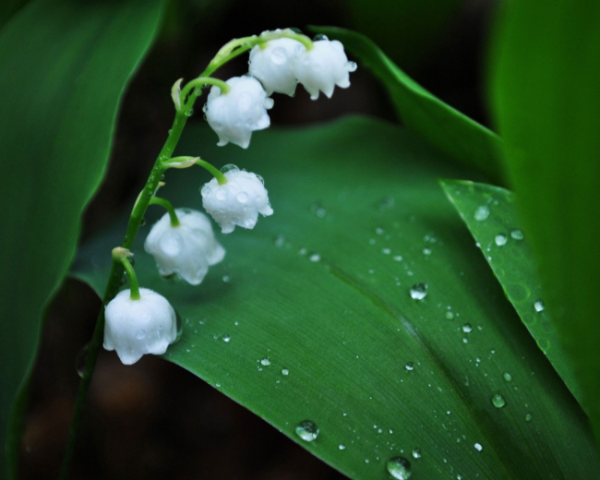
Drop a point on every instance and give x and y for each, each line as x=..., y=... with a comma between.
x=230, y=167
x=399, y=468
x=242, y=197
x=307, y=430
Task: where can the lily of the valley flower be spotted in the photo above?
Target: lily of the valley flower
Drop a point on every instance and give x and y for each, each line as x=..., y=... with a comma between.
x=236, y=114
x=273, y=65
x=187, y=249
x=238, y=202
x=323, y=67
x=137, y=327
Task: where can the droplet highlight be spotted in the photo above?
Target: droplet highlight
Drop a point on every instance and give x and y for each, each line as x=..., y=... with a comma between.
x=399, y=468
x=307, y=430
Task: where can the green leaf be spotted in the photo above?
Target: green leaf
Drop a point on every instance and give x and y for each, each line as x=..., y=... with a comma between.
x=548, y=108
x=310, y=316
x=490, y=214
x=64, y=68
x=453, y=133
x=406, y=29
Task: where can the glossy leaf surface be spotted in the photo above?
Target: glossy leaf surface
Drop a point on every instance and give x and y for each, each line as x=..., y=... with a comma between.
x=311, y=315
x=548, y=109
x=64, y=67
x=449, y=130
x=490, y=213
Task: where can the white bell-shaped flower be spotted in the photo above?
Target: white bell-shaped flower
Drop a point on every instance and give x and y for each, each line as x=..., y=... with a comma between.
x=323, y=67
x=236, y=114
x=238, y=202
x=136, y=327
x=187, y=249
x=273, y=65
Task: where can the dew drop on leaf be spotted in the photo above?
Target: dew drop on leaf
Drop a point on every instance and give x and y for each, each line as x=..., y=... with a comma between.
x=539, y=306
x=517, y=234
x=482, y=213
x=418, y=291
x=307, y=430
x=500, y=239
x=498, y=401
x=399, y=468
x=416, y=453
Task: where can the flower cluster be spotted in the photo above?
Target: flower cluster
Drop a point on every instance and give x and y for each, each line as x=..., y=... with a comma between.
x=276, y=66
x=182, y=242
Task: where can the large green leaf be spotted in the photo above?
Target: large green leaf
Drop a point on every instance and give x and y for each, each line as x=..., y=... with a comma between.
x=548, y=109
x=310, y=316
x=64, y=66
x=449, y=130
x=491, y=216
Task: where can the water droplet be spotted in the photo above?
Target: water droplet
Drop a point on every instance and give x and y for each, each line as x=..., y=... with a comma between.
x=386, y=251
x=498, y=401
x=482, y=213
x=279, y=241
x=242, y=197
x=142, y=222
x=140, y=334
x=517, y=234
x=399, y=468
x=226, y=338
x=315, y=257
x=507, y=377
x=410, y=366
x=418, y=291
x=467, y=328
x=416, y=453
x=285, y=372
x=81, y=359
x=528, y=417
x=307, y=430
x=226, y=278
x=230, y=167
x=427, y=251
x=478, y=447
x=321, y=212
x=449, y=315
x=500, y=239
x=379, y=231
x=320, y=36
x=341, y=446
x=265, y=362
x=539, y=306
x=398, y=258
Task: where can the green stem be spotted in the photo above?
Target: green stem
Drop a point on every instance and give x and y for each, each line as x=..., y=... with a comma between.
x=114, y=283
x=163, y=202
x=221, y=179
x=134, y=286
x=200, y=82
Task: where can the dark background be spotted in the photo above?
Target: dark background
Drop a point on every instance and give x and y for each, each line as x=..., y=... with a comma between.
x=154, y=420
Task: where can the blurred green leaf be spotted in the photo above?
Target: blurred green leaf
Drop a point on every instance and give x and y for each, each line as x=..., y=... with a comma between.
x=491, y=216
x=547, y=100
x=405, y=29
x=449, y=130
x=64, y=66
x=310, y=316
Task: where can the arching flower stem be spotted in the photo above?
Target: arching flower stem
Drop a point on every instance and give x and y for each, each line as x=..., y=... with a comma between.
x=120, y=254
x=163, y=202
x=221, y=179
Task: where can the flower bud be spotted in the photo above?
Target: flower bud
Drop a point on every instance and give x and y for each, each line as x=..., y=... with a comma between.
x=187, y=249
x=273, y=65
x=236, y=114
x=323, y=67
x=136, y=327
x=238, y=202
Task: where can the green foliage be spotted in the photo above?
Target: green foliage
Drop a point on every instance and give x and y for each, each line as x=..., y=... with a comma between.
x=449, y=130
x=547, y=102
x=403, y=28
x=491, y=215
x=61, y=83
x=319, y=290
